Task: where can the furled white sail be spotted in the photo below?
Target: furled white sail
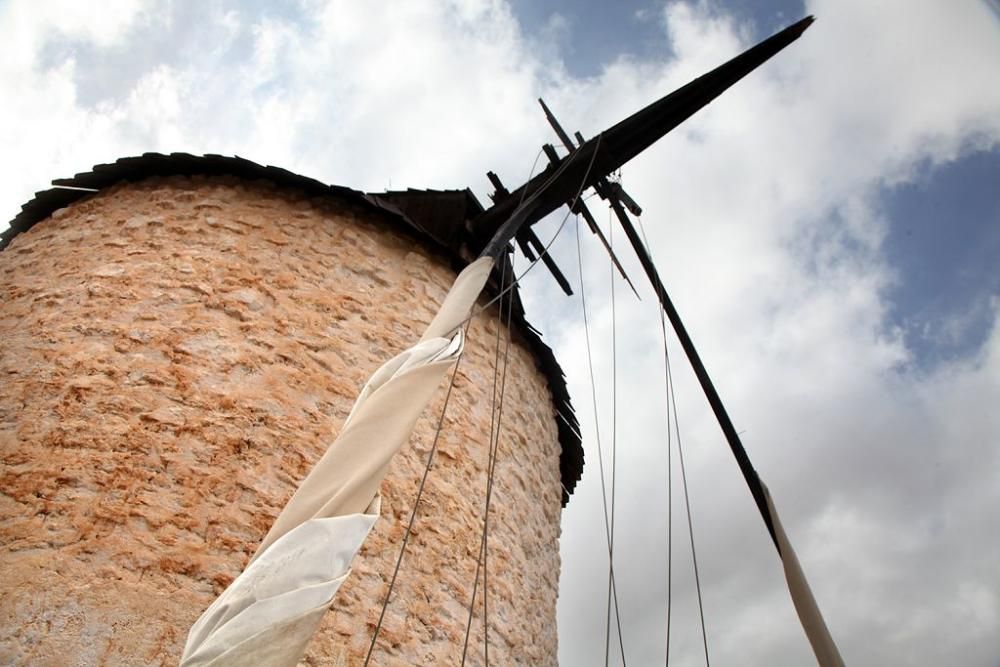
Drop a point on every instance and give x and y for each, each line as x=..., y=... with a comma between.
x=827, y=654
x=269, y=613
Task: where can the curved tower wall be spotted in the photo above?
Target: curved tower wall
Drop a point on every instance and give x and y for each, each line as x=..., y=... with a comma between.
x=175, y=355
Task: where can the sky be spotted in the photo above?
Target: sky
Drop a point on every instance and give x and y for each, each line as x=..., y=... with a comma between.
x=828, y=229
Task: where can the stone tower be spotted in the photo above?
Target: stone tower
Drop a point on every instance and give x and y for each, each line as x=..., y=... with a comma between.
x=180, y=342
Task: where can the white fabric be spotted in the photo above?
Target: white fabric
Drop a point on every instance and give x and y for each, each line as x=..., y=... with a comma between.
x=812, y=621
x=269, y=613
x=277, y=603
x=460, y=299
x=348, y=475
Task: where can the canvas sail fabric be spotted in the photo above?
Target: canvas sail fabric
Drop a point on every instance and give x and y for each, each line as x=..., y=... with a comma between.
x=812, y=621
x=269, y=613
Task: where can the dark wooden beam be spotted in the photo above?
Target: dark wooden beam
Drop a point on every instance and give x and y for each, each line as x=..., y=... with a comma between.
x=608, y=151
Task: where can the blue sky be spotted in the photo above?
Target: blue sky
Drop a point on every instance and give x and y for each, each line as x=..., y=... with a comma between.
x=828, y=228
x=944, y=239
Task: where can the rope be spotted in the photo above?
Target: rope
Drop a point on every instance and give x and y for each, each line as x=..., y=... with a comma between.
x=614, y=449
x=492, y=465
x=672, y=408
x=600, y=453
x=416, y=504
x=481, y=561
x=491, y=449
x=687, y=508
x=670, y=477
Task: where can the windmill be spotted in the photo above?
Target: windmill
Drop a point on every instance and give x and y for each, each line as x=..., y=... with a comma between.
x=269, y=613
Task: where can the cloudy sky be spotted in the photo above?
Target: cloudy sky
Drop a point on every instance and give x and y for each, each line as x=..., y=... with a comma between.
x=829, y=229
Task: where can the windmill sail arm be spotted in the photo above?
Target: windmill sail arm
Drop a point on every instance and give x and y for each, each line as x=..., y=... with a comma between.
x=639, y=131
x=626, y=139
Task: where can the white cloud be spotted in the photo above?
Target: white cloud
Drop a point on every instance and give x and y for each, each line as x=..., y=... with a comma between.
x=765, y=216
x=29, y=25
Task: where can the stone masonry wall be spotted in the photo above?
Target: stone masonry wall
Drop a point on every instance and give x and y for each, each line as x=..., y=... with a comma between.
x=174, y=355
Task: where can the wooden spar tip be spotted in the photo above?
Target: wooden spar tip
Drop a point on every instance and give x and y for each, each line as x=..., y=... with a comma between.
x=593, y=160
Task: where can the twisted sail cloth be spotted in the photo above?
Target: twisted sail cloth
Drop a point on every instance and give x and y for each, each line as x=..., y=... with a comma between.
x=827, y=654
x=270, y=612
